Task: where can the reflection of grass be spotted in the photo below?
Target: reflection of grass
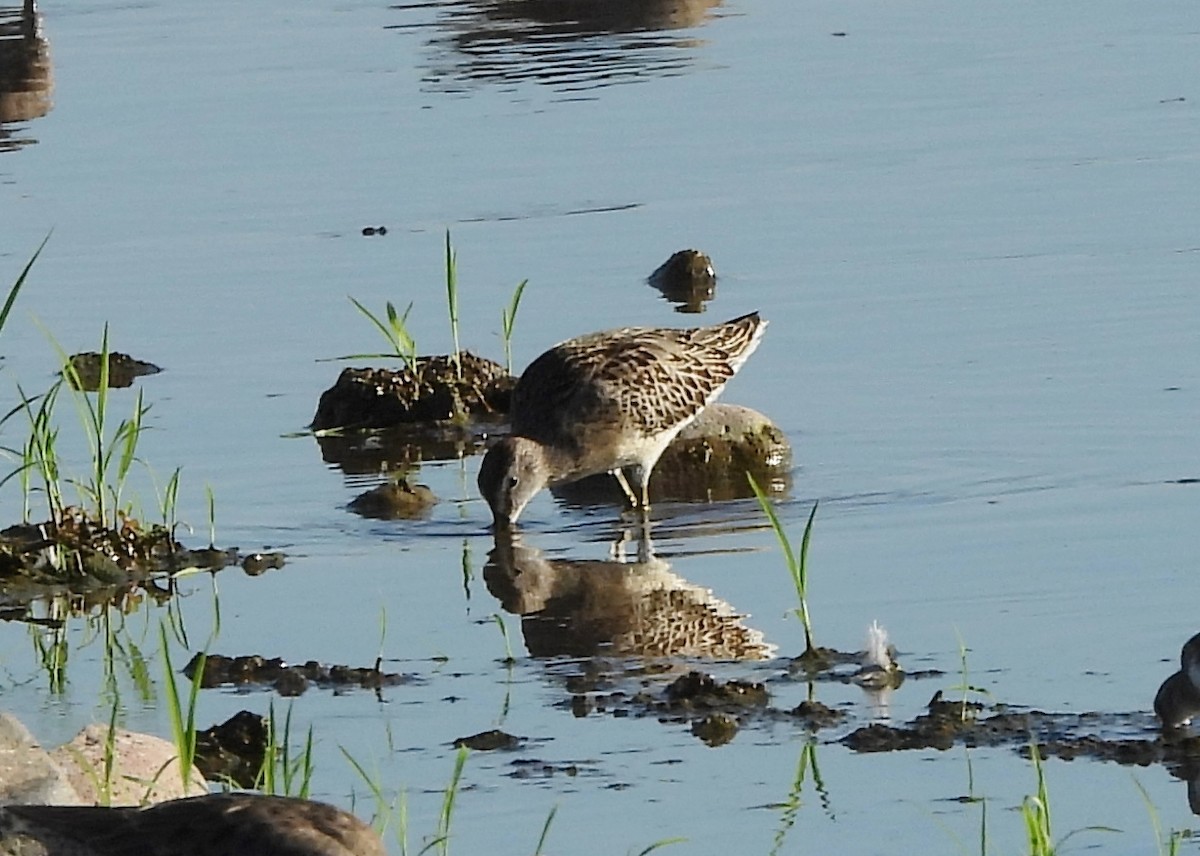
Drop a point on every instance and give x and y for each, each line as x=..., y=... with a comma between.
x=791, y=806
x=797, y=566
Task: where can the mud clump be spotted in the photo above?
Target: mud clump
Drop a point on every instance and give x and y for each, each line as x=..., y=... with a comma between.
x=488, y=741
x=686, y=279
x=429, y=391
x=84, y=370
x=394, y=500
x=233, y=750
x=285, y=679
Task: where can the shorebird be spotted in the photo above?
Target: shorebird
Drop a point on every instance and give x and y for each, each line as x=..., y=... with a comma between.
x=211, y=825
x=609, y=402
x=1178, y=699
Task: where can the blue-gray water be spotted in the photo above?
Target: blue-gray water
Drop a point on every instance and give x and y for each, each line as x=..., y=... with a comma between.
x=973, y=230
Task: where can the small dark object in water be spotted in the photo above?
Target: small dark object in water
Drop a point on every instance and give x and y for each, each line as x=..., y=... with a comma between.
x=233, y=749
x=257, y=564
x=486, y=741
x=394, y=500
x=686, y=279
x=374, y=230
x=287, y=679
x=122, y=370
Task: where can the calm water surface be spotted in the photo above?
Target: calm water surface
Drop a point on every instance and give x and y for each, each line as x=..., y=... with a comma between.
x=975, y=235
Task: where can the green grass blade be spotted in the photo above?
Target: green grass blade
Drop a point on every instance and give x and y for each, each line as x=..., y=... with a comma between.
x=16, y=288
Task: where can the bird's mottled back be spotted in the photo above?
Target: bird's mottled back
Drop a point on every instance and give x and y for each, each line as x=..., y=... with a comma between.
x=652, y=379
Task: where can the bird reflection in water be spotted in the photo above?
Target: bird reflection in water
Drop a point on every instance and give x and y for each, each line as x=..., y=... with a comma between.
x=26, y=81
x=583, y=608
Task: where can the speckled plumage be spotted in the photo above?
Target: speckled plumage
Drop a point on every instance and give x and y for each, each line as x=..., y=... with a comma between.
x=610, y=402
x=211, y=825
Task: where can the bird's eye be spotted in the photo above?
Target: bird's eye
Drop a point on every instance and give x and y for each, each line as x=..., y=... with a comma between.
x=513, y=481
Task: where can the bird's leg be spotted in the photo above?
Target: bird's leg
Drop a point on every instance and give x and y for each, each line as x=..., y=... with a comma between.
x=619, y=474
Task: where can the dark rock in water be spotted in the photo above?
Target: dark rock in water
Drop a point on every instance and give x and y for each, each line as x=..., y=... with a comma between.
x=708, y=461
x=289, y=680
x=395, y=500
x=257, y=564
x=686, y=279
x=486, y=741
x=431, y=391
x=233, y=750
x=122, y=370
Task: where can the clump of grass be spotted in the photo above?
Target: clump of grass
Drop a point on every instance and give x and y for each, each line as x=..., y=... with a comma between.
x=508, y=319
x=283, y=772
x=797, y=565
x=394, y=328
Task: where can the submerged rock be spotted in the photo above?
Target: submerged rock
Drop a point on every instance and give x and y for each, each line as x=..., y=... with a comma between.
x=122, y=370
x=394, y=500
x=686, y=279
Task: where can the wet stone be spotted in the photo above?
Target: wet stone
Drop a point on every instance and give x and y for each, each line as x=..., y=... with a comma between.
x=123, y=370
x=288, y=680
x=431, y=391
x=488, y=741
x=686, y=279
x=233, y=750
x=394, y=500
x=257, y=564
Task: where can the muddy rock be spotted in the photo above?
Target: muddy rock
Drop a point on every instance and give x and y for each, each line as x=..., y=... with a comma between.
x=431, y=391
x=488, y=741
x=686, y=279
x=233, y=750
x=394, y=500
x=123, y=370
x=288, y=680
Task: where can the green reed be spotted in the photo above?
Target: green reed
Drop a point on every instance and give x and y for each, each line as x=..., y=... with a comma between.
x=1035, y=811
x=797, y=565
x=452, y=301
x=183, y=718
x=1174, y=840
x=16, y=286
x=508, y=319
x=394, y=328
x=283, y=772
